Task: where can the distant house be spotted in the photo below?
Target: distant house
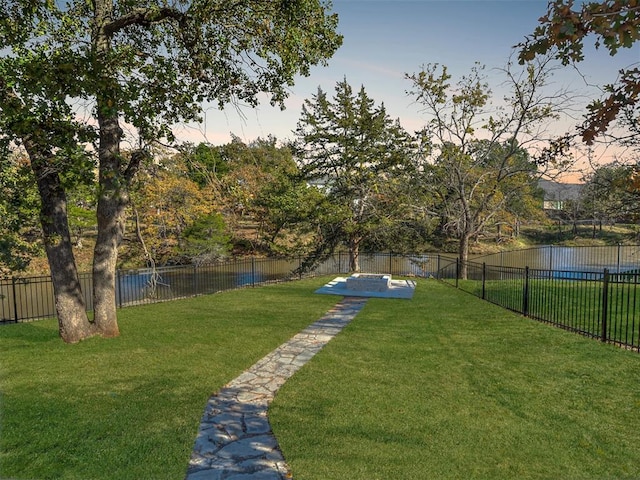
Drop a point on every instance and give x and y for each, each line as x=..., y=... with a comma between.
x=557, y=194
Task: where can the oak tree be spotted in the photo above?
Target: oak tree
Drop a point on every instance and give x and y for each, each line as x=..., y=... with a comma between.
x=480, y=156
x=614, y=24
x=74, y=75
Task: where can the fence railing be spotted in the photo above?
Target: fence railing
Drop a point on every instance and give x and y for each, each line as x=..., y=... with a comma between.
x=600, y=304
x=616, y=258
x=29, y=298
x=594, y=291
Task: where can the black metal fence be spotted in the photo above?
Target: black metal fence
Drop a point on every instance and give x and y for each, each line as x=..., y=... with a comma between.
x=600, y=304
x=616, y=258
x=28, y=298
x=594, y=291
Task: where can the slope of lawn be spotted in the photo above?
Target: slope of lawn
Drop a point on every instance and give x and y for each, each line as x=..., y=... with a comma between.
x=129, y=408
x=447, y=386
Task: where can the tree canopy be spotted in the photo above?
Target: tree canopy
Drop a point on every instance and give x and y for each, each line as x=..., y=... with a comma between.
x=262, y=196
x=610, y=193
x=19, y=213
x=614, y=24
x=478, y=159
x=78, y=78
x=358, y=155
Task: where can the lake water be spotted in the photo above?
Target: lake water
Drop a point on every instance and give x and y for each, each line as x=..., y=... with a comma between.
x=33, y=297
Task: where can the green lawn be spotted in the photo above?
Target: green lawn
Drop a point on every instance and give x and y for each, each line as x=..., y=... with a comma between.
x=576, y=304
x=442, y=386
x=448, y=386
x=130, y=407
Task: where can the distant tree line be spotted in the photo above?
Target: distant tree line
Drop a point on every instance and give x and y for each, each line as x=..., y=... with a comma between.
x=351, y=179
x=610, y=195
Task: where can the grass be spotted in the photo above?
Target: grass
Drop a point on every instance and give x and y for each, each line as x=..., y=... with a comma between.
x=447, y=386
x=575, y=304
x=129, y=408
x=442, y=386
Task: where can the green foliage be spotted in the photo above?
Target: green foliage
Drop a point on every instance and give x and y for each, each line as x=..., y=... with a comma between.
x=284, y=207
x=359, y=156
x=610, y=195
x=197, y=204
x=72, y=73
x=480, y=162
x=170, y=58
x=206, y=239
x=258, y=185
x=206, y=164
x=614, y=24
x=167, y=61
x=176, y=219
x=19, y=205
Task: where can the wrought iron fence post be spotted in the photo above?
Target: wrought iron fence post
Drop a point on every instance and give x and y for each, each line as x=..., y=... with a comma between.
x=605, y=304
x=438, y=268
x=300, y=267
x=118, y=274
x=484, y=278
x=390, y=264
x=253, y=271
x=525, y=293
x=15, y=299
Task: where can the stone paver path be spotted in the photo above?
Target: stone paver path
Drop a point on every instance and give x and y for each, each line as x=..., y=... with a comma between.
x=235, y=441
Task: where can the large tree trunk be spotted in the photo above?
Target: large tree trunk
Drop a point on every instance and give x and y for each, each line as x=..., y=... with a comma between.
x=112, y=201
x=354, y=254
x=73, y=322
x=105, y=257
x=112, y=196
x=463, y=253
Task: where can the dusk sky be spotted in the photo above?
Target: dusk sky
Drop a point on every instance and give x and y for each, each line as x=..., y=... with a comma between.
x=384, y=39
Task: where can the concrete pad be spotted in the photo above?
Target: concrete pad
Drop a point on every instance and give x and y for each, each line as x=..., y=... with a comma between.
x=397, y=289
x=369, y=282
